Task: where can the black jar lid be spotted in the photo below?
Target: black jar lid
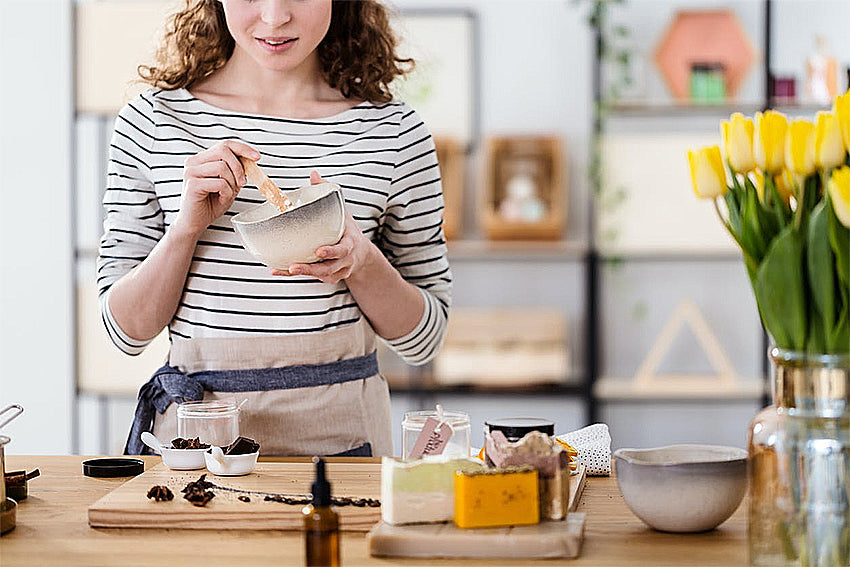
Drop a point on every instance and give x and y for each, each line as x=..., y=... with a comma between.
x=113, y=468
x=519, y=427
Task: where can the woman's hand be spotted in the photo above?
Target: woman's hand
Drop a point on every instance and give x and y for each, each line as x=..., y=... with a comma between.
x=211, y=180
x=340, y=261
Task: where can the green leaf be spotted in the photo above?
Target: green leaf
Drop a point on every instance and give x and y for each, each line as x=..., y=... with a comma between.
x=839, y=239
x=816, y=341
x=780, y=291
x=734, y=208
x=821, y=272
x=840, y=336
x=780, y=209
x=751, y=234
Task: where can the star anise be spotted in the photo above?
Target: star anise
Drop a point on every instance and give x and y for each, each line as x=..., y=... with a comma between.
x=196, y=492
x=160, y=493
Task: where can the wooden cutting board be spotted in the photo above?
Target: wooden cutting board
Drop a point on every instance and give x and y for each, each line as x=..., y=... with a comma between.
x=128, y=506
x=546, y=540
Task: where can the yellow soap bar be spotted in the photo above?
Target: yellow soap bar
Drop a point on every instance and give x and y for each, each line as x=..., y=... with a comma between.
x=496, y=497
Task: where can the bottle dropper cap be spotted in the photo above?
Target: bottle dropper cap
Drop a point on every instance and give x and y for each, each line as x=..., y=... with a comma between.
x=321, y=489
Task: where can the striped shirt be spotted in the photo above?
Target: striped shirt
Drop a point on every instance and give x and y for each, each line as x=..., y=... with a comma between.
x=382, y=156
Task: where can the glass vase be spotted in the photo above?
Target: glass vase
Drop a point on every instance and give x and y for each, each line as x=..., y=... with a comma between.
x=799, y=464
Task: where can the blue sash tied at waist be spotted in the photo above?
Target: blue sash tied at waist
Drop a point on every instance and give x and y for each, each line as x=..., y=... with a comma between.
x=169, y=385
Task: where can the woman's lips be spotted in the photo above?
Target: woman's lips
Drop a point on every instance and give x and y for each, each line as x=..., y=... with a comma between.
x=276, y=45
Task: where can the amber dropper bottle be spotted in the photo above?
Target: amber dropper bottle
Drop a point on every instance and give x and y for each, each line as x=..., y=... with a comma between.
x=321, y=524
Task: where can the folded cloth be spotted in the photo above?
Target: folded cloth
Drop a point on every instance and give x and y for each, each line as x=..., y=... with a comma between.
x=593, y=445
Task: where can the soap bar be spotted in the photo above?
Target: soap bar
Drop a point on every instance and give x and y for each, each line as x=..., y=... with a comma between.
x=420, y=490
x=550, y=459
x=496, y=497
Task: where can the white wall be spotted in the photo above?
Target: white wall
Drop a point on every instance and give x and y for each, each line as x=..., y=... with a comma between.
x=35, y=257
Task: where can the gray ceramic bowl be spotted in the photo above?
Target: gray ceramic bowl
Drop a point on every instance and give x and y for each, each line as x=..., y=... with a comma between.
x=682, y=488
x=280, y=239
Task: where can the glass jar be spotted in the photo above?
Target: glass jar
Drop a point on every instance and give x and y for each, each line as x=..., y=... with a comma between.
x=215, y=422
x=414, y=422
x=799, y=466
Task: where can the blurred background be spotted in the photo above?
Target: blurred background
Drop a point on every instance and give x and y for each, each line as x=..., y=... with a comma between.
x=590, y=284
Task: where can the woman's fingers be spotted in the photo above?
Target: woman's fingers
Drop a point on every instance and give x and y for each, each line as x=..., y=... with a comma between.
x=215, y=169
x=340, y=250
x=319, y=269
x=207, y=185
x=315, y=178
x=240, y=149
x=228, y=155
x=328, y=272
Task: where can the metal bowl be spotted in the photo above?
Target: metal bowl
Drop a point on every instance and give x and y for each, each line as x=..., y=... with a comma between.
x=682, y=488
x=280, y=239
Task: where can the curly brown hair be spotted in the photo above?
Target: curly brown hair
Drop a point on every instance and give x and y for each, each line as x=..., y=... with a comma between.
x=357, y=56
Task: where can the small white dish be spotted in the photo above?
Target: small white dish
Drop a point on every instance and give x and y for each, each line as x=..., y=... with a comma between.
x=220, y=464
x=175, y=459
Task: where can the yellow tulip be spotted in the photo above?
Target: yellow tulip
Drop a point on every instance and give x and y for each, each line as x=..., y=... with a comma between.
x=738, y=142
x=769, y=141
x=800, y=147
x=842, y=111
x=758, y=181
x=707, y=174
x=829, y=148
x=785, y=183
x=839, y=192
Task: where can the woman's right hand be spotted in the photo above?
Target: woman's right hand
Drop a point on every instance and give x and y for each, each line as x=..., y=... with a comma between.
x=211, y=180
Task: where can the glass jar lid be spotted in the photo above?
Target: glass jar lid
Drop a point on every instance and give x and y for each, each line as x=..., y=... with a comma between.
x=519, y=427
x=207, y=408
x=418, y=417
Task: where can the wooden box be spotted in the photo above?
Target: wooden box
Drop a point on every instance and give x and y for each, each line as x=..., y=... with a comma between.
x=532, y=165
x=504, y=347
x=450, y=156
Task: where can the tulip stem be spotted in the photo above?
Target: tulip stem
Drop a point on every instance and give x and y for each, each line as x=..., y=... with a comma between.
x=732, y=232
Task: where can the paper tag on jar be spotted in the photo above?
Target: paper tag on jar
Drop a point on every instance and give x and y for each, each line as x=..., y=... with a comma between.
x=432, y=440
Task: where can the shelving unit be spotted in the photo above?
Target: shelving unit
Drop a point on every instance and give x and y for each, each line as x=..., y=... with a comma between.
x=752, y=389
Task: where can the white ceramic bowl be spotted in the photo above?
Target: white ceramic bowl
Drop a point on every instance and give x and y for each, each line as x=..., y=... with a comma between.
x=279, y=240
x=682, y=488
x=183, y=459
x=231, y=465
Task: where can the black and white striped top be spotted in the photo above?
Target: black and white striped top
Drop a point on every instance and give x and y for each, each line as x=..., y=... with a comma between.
x=382, y=156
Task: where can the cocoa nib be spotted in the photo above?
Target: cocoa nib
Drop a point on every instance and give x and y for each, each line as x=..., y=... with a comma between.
x=160, y=493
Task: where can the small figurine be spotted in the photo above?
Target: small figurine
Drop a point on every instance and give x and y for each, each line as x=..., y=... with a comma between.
x=821, y=81
x=521, y=203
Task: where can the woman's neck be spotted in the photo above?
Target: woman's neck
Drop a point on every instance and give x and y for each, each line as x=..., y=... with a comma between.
x=242, y=84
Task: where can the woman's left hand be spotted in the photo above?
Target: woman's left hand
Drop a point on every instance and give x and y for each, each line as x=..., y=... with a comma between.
x=340, y=261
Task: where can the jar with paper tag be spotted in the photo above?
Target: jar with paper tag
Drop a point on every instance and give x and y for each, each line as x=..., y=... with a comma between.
x=439, y=432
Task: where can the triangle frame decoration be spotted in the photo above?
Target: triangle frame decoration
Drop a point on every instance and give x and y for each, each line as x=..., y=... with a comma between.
x=686, y=313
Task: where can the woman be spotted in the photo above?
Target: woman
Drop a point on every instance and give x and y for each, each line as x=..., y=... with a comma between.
x=303, y=86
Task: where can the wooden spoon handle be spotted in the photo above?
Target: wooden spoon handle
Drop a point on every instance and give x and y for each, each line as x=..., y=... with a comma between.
x=266, y=186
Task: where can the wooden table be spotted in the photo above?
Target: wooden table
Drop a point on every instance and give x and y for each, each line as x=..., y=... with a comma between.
x=52, y=529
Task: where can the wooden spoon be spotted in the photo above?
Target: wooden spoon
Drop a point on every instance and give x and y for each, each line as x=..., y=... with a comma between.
x=266, y=186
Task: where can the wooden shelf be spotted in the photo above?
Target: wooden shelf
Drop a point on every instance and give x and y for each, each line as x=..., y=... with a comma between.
x=654, y=109
x=516, y=250
x=611, y=389
x=650, y=109
x=562, y=389
x=672, y=255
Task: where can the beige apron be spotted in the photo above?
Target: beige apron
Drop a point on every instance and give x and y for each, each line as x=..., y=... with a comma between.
x=318, y=420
